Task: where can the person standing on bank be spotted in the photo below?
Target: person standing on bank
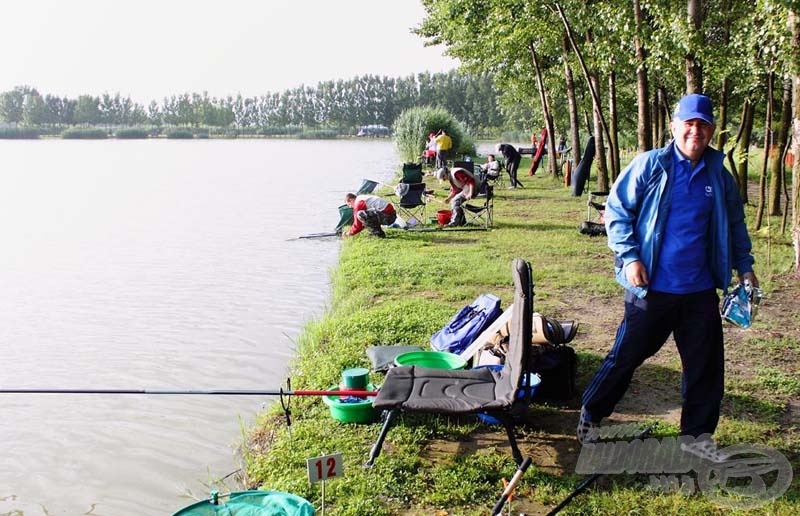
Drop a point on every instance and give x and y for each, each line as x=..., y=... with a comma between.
x=675, y=221
x=513, y=158
x=369, y=211
x=443, y=145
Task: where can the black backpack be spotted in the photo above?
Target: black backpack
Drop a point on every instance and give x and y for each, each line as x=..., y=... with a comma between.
x=557, y=366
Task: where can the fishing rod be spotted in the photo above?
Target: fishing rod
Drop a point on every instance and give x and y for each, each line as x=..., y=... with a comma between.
x=593, y=478
x=285, y=394
x=509, y=489
x=215, y=392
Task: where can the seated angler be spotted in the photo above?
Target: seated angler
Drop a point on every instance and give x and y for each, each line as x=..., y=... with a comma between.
x=369, y=211
x=491, y=167
x=462, y=188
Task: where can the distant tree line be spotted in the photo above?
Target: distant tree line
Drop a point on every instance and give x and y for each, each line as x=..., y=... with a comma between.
x=343, y=105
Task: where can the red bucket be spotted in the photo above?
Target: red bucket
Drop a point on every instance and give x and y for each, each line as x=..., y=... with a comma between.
x=443, y=217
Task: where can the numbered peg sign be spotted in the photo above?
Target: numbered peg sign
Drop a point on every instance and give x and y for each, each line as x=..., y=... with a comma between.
x=327, y=467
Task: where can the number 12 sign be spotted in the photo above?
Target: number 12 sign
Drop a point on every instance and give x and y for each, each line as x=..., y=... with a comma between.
x=326, y=467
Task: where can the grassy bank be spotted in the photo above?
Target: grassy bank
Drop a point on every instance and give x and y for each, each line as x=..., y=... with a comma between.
x=402, y=289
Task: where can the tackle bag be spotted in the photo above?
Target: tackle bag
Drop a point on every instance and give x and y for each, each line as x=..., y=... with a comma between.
x=557, y=367
x=467, y=324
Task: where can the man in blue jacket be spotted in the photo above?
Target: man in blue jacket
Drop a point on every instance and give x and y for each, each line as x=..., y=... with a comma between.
x=675, y=222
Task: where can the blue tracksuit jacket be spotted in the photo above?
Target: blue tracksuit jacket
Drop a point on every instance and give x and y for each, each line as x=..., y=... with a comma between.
x=638, y=206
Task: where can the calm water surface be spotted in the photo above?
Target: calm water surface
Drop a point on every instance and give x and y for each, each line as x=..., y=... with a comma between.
x=153, y=265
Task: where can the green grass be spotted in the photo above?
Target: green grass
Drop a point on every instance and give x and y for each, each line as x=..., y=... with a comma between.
x=402, y=289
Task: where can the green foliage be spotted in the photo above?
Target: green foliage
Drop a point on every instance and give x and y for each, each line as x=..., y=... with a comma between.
x=412, y=127
x=317, y=134
x=132, y=133
x=180, y=133
x=18, y=133
x=228, y=132
x=84, y=133
x=342, y=106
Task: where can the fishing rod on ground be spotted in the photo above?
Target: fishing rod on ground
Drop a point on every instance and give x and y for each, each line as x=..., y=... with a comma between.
x=594, y=477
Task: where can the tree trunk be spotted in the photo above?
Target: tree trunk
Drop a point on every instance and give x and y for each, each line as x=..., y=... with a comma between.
x=743, y=147
x=768, y=140
x=593, y=90
x=794, y=23
x=600, y=146
x=548, y=117
x=613, y=132
x=574, y=122
x=725, y=87
x=694, y=70
x=660, y=119
x=644, y=133
x=722, y=121
x=777, y=169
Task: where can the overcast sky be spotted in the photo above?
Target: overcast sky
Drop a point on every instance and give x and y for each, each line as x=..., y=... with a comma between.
x=150, y=49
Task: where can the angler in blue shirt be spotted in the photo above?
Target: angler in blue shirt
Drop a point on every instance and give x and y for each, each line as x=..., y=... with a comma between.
x=675, y=221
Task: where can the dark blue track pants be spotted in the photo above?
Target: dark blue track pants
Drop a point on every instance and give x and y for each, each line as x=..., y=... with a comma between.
x=696, y=325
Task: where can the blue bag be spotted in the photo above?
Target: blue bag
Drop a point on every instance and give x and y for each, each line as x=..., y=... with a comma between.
x=467, y=324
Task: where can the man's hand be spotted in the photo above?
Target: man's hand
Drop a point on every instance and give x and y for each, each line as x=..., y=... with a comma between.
x=749, y=276
x=636, y=274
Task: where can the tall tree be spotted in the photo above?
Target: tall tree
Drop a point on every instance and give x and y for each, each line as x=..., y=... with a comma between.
x=694, y=70
x=794, y=25
x=34, y=110
x=12, y=104
x=87, y=110
x=644, y=135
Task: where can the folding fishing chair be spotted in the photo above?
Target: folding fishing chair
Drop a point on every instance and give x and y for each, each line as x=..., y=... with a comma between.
x=501, y=394
x=597, y=227
x=412, y=202
x=481, y=214
x=412, y=173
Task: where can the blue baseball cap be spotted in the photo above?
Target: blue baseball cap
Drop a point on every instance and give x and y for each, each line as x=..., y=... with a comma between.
x=694, y=106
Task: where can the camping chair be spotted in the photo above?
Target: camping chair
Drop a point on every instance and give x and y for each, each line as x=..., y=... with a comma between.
x=411, y=205
x=367, y=186
x=500, y=394
x=412, y=173
x=501, y=172
x=598, y=227
x=483, y=213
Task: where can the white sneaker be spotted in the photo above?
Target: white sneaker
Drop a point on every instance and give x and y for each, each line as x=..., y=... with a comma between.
x=586, y=431
x=706, y=449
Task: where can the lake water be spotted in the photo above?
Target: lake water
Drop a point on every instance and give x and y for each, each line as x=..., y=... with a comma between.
x=155, y=265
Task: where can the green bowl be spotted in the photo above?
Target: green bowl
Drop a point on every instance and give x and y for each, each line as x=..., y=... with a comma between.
x=351, y=412
x=431, y=359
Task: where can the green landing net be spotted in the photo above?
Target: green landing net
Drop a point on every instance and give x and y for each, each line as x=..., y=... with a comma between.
x=250, y=503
